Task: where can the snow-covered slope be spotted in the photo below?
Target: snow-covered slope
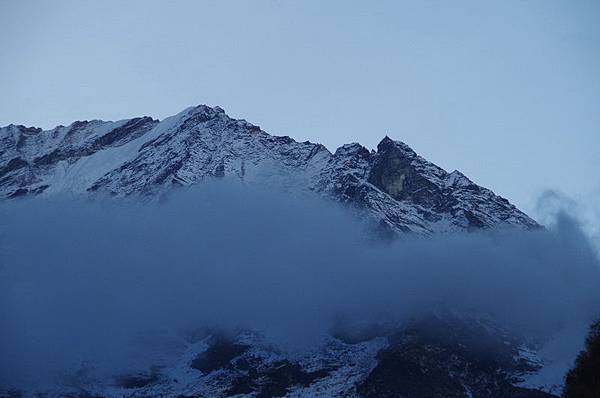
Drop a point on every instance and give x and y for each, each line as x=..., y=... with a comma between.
x=436, y=357
x=399, y=190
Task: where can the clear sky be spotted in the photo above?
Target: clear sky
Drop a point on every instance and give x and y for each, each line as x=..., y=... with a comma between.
x=508, y=92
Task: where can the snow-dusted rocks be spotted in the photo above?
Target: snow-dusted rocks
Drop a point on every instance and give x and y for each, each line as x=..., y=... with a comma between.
x=436, y=357
x=399, y=190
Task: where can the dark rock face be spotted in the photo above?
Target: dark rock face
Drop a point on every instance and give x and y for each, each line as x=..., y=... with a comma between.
x=12, y=165
x=131, y=130
x=448, y=357
x=411, y=194
x=118, y=136
x=248, y=374
x=396, y=375
x=219, y=355
x=393, y=171
x=275, y=381
x=137, y=381
x=283, y=375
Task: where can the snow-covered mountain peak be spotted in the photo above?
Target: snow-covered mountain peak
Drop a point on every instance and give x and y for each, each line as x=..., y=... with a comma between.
x=19, y=128
x=394, y=186
x=351, y=150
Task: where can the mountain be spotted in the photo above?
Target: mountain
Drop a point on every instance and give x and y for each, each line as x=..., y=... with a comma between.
x=433, y=357
x=398, y=189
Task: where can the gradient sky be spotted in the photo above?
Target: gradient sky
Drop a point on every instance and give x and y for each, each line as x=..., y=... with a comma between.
x=507, y=92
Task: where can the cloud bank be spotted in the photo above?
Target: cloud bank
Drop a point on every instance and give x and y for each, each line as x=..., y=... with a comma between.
x=92, y=281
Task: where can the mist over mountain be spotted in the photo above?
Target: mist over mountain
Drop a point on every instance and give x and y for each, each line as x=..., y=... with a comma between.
x=201, y=256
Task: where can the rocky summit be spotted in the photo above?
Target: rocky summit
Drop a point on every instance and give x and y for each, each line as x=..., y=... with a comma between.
x=393, y=186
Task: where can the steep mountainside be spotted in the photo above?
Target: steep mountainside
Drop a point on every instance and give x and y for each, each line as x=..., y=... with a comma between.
x=400, y=190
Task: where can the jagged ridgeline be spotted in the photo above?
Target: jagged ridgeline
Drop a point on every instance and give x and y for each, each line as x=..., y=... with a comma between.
x=399, y=190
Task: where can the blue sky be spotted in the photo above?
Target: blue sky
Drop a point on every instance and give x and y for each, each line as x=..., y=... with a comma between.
x=507, y=92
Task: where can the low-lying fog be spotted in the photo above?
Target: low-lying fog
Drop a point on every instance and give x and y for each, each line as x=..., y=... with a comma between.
x=81, y=280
